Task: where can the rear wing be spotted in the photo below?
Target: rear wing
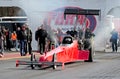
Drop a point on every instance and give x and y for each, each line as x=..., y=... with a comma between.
x=76, y=11
x=82, y=11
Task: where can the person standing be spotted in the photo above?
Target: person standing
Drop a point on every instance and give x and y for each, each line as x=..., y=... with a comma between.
x=23, y=41
x=29, y=39
x=18, y=31
x=14, y=39
x=8, y=39
x=36, y=33
x=113, y=40
x=36, y=38
x=42, y=35
x=1, y=45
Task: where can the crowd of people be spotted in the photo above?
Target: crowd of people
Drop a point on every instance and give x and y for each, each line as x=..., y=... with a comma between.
x=21, y=39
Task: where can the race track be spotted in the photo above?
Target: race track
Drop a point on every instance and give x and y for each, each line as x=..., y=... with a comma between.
x=105, y=66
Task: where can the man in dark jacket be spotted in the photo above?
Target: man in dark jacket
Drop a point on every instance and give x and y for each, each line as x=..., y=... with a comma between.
x=23, y=41
x=36, y=33
x=42, y=35
x=29, y=39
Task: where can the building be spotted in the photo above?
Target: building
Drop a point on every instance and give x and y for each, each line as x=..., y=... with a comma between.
x=49, y=12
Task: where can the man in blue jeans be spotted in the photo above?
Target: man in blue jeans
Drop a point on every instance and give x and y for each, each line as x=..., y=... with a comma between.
x=113, y=40
x=23, y=41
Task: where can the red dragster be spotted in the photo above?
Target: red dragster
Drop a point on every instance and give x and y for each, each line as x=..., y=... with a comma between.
x=68, y=51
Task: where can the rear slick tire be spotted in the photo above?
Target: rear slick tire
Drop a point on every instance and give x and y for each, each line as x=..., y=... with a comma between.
x=90, y=59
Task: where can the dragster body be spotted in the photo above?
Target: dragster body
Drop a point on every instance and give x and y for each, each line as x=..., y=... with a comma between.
x=66, y=53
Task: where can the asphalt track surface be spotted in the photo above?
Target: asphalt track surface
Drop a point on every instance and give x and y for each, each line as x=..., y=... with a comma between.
x=105, y=66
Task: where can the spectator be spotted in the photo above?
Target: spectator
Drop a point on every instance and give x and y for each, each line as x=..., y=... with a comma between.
x=3, y=30
x=49, y=42
x=36, y=37
x=113, y=40
x=23, y=41
x=8, y=39
x=29, y=39
x=36, y=33
x=42, y=35
x=18, y=38
x=59, y=36
x=14, y=39
x=1, y=44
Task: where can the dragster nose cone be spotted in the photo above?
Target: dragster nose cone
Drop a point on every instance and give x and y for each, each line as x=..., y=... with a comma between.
x=17, y=63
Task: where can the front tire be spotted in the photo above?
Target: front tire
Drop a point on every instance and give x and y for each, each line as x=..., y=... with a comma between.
x=32, y=59
x=54, y=66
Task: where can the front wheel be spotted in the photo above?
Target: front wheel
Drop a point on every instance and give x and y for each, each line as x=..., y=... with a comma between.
x=54, y=66
x=32, y=59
